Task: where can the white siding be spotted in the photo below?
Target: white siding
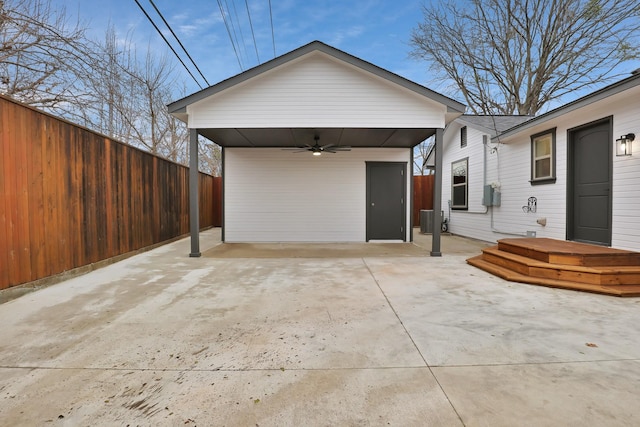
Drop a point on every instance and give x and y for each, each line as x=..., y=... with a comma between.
x=510, y=164
x=316, y=91
x=626, y=176
x=273, y=195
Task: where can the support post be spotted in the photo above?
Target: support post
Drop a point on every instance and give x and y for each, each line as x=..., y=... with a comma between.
x=437, y=196
x=194, y=208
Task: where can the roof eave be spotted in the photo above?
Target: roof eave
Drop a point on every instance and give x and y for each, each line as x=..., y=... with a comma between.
x=598, y=95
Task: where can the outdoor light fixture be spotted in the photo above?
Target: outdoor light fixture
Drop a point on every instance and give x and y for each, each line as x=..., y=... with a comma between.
x=623, y=144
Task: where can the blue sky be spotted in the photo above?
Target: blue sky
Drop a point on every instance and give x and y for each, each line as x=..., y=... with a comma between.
x=377, y=31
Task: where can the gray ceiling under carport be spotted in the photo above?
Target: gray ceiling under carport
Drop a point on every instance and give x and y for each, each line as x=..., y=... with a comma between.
x=292, y=137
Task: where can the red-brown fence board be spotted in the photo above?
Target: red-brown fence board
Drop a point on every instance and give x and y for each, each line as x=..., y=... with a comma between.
x=71, y=197
x=217, y=204
x=4, y=190
x=422, y=195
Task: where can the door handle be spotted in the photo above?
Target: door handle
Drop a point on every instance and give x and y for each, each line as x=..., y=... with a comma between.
x=373, y=204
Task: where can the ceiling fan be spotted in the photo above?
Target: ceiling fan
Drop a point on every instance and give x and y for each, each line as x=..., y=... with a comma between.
x=318, y=149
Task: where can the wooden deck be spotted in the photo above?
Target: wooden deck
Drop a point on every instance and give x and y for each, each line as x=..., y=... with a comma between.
x=563, y=264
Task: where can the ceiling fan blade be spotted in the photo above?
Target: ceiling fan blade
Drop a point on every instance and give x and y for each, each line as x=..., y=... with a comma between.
x=296, y=149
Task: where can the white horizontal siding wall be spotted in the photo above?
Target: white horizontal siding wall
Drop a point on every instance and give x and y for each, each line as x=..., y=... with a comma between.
x=626, y=174
x=510, y=164
x=274, y=195
x=515, y=173
x=315, y=91
x=471, y=222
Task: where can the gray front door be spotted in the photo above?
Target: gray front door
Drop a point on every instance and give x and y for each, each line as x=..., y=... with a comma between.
x=589, y=189
x=386, y=190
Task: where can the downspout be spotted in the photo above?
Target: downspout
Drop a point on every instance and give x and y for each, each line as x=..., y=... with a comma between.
x=194, y=209
x=493, y=229
x=485, y=143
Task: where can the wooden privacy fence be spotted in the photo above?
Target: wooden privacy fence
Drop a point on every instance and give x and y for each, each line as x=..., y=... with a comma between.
x=422, y=195
x=70, y=197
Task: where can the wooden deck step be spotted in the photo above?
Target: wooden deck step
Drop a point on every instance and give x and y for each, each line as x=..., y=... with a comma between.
x=596, y=275
x=562, y=264
x=569, y=253
x=505, y=273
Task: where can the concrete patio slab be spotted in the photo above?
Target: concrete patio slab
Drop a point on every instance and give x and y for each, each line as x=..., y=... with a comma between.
x=361, y=338
x=483, y=319
x=545, y=394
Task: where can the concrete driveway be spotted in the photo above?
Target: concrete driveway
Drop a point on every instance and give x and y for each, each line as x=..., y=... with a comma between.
x=362, y=338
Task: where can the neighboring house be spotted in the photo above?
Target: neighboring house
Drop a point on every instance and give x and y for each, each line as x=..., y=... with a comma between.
x=273, y=193
x=557, y=175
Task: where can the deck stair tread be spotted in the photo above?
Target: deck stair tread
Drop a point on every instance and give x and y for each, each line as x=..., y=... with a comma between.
x=562, y=264
x=570, y=253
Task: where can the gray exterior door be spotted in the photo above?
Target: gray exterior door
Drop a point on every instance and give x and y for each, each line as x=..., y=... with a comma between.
x=386, y=190
x=589, y=183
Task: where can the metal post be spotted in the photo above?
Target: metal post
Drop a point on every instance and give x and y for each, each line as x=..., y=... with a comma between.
x=411, y=220
x=194, y=209
x=437, y=196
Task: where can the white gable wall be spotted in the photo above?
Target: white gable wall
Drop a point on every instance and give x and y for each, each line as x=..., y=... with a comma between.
x=316, y=91
x=274, y=195
x=510, y=164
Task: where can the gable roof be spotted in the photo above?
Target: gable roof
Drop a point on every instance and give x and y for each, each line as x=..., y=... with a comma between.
x=605, y=92
x=492, y=125
x=178, y=108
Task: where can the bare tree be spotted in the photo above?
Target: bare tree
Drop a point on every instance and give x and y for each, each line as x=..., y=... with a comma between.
x=516, y=56
x=108, y=91
x=420, y=154
x=103, y=85
x=210, y=157
x=36, y=45
x=153, y=82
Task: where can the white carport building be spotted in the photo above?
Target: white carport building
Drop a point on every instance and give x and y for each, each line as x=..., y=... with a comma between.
x=274, y=193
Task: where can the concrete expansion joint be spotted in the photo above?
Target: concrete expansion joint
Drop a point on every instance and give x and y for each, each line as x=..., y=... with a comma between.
x=548, y=363
x=394, y=312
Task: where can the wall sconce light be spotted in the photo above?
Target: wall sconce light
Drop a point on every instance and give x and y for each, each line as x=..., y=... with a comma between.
x=623, y=144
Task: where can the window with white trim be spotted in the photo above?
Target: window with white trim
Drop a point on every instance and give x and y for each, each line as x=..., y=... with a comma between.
x=459, y=184
x=543, y=157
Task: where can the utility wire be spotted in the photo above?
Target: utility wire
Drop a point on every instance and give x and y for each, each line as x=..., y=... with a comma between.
x=167, y=42
x=226, y=24
x=273, y=37
x=243, y=44
x=253, y=34
x=179, y=42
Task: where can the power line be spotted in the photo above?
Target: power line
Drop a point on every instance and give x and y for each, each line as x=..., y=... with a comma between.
x=168, y=44
x=235, y=12
x=228, y=33
x=273, y=37
x=179, y=42
x=253, y=34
